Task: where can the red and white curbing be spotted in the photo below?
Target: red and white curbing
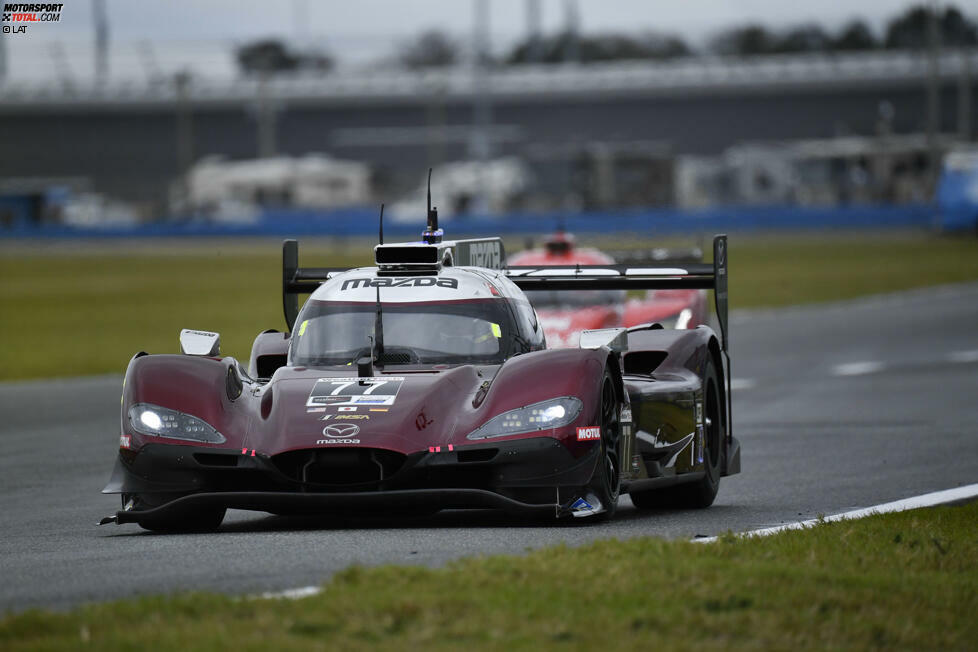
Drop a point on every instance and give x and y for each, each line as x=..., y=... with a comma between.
x=966, y=492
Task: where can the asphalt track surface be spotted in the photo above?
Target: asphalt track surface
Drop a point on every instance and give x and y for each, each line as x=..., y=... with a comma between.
x=837, y=406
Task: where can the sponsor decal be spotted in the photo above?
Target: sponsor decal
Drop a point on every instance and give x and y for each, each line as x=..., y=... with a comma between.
x=586, y=507
x=376, y=390
x=590, y=433
x=341, y=430
x=324, y=442
x=422, y=421
x=325, y=417
x=481, y=254
x=379, y=409
x=124, y=441
x=410, y=282
x=626, y=415
x=319, y=409
x=352, y=416
x=369, y=400
x=699, y=412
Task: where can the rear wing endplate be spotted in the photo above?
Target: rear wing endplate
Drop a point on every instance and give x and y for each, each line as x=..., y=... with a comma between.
x=299, y=280
x=700, y=276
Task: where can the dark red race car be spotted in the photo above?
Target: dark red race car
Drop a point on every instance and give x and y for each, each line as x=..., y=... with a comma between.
x=423, y=383
x=565, y=314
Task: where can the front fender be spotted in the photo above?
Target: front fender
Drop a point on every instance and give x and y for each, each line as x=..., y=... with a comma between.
x=207, y=388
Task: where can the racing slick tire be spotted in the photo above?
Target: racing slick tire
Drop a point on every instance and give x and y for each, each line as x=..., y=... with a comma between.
x=606, y=482
x=202, y=520
x=703, y=492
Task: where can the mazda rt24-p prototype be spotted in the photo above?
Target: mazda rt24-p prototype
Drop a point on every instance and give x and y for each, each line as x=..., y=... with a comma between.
x=425, y=383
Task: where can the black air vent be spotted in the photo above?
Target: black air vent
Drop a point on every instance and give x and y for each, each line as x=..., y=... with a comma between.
x=643, y=363
x=341, y=468
x=267, y=364
x=407, y=255
x=395, y=358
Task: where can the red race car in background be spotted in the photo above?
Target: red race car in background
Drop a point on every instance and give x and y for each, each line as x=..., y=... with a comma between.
x=565, y=314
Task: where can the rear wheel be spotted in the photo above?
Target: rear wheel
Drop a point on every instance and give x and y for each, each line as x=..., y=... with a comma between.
x=606, y=482
x=200, y=520
x=702, y=492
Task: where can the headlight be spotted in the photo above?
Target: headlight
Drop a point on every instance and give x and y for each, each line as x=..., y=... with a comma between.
x=545, y=415
x=157, y=421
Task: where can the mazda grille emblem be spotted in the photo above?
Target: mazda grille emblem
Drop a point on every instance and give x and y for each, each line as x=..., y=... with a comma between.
x=342, y=430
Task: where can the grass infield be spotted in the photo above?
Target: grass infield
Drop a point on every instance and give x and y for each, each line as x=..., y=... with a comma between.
x=896, y=581
x=78, y=309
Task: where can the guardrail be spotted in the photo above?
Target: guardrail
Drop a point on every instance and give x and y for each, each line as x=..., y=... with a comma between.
x=363, y=222
x=703, y=74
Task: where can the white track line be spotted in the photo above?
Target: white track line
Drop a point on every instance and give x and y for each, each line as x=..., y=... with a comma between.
x=916, y=502
x=926, y=500
x=291, y=594
x=964, y=356
x=857, y=368
x=742, y=383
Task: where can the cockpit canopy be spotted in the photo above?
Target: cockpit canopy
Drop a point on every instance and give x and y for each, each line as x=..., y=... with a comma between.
x=435, y=332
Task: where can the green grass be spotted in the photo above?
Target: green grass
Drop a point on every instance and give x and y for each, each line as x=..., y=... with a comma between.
x=899, y=581
x=71, y=311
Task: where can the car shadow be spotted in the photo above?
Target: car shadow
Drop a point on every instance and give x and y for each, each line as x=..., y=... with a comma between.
x=626, y=517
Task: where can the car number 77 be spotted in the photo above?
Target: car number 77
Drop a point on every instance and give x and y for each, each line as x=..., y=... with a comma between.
x=374, y=384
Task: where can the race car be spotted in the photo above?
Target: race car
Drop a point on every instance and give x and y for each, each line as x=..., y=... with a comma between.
x=424, y=383
x=565, y=315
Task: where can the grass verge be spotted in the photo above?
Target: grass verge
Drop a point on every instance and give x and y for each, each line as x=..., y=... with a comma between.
x=78, y=312
x=896, y=581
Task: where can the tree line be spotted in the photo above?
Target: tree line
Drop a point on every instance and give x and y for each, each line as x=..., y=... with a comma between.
x=435, y=48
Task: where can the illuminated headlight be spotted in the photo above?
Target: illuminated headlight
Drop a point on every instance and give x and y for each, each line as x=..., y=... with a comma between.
x=545, y=415
x=157, y=421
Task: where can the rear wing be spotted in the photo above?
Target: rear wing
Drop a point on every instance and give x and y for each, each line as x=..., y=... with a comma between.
x=692, y=276
x=657, y=256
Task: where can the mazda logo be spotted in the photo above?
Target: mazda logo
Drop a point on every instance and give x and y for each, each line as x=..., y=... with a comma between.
x=341, y=430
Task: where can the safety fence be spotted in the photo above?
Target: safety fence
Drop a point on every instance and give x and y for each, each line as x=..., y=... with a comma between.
x=364, y=222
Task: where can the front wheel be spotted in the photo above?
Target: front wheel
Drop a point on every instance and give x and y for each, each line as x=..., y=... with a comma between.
x=606, y=483
x=200, y=520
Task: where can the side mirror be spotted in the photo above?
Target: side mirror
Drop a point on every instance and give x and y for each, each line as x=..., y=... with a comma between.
x=200, y=343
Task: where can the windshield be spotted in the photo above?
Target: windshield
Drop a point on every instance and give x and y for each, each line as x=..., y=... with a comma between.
x=560, y=299
x=446, y=332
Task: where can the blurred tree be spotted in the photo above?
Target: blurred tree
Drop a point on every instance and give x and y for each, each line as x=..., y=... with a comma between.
x=432, y=49
x=855, y=36
x=266, y=56
x=272, y=56
x=909, y=29
x=804, y=38
x=957, y=29
x=748, y=39
x=603, y=47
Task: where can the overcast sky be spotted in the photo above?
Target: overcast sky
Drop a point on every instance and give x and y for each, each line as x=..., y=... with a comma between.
x=183, y=32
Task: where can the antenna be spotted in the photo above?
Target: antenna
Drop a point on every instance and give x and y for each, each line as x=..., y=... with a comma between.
x=432, y=212
x=432, y=234
x=381, y=236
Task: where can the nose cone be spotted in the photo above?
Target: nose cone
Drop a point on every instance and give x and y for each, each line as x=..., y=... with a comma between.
x=406, y=413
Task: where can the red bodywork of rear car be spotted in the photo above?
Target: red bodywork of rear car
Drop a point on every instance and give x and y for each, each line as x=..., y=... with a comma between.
x=563, y=325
